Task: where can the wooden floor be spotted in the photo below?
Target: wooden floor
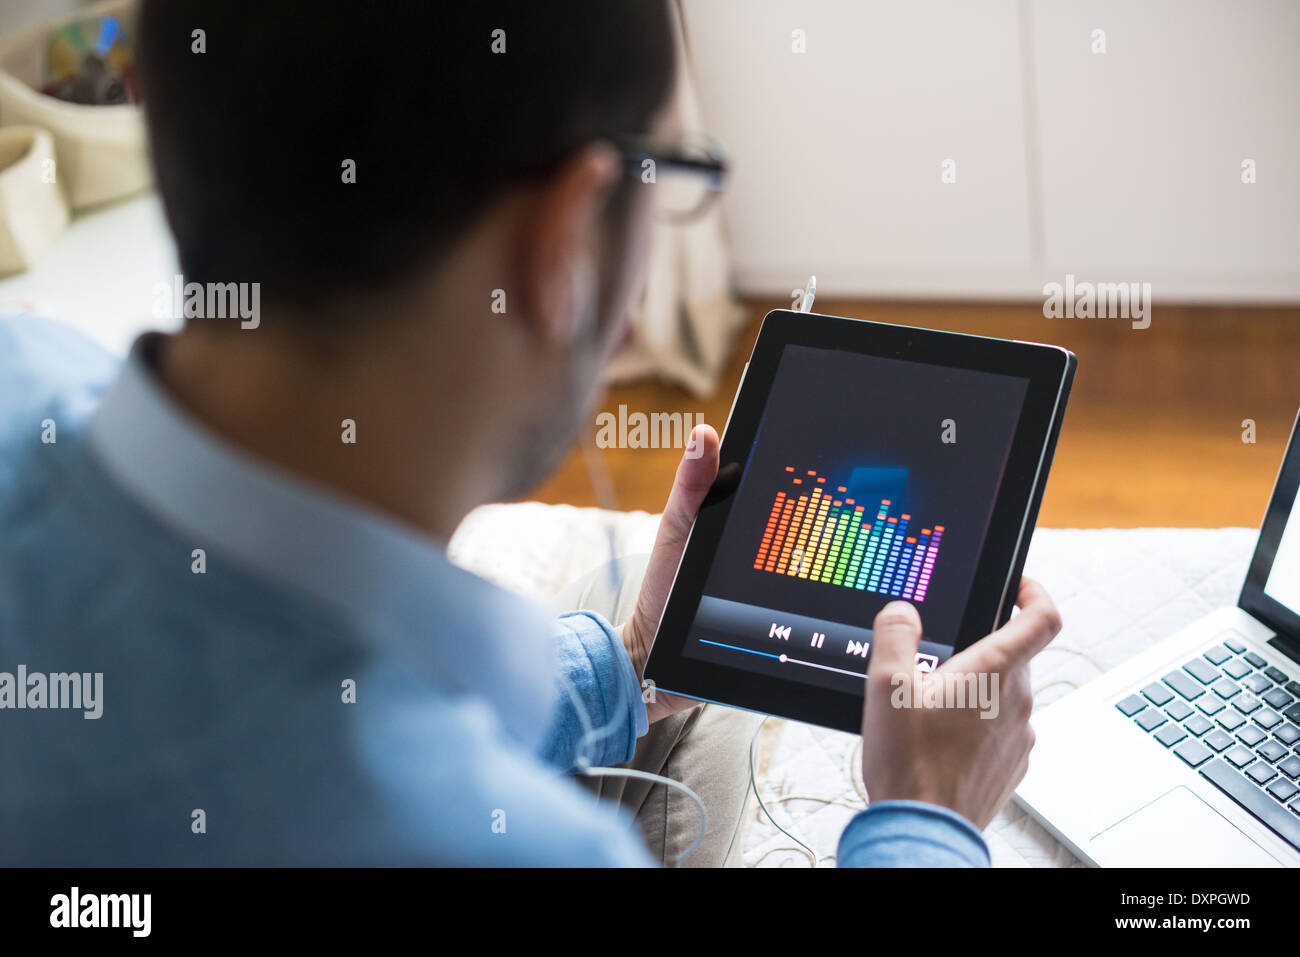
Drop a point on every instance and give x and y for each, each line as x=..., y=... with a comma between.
x=1153, y=435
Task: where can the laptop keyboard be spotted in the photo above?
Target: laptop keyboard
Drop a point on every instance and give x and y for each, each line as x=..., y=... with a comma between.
x=1235, y=718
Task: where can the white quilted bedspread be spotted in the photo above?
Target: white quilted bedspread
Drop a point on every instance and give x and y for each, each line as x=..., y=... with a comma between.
x=1119, y=591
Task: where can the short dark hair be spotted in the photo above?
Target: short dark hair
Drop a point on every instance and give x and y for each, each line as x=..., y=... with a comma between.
x=249, y=138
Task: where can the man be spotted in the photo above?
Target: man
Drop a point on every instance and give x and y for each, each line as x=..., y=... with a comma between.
x=242, y=527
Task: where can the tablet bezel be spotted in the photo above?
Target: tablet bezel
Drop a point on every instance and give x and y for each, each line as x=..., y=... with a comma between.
x=1049, y=372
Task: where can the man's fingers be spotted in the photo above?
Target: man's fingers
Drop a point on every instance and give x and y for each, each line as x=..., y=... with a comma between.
x=1031, y=593
x=695, y=475
x=896, y=634
x=1034, y=628
x=1018, y=640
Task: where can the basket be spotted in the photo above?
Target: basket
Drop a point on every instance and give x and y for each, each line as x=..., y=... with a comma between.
x=101, y=151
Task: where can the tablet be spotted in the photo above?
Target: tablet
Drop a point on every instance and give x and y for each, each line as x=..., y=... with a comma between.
x=861, y=463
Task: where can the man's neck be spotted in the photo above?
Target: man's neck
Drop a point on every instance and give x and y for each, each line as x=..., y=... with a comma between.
x=324, y=417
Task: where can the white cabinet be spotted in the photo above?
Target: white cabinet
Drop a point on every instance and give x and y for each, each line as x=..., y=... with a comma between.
x=1123, y=165
x=1142, y=147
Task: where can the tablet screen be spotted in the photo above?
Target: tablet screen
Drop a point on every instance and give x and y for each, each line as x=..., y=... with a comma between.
x=870, y=479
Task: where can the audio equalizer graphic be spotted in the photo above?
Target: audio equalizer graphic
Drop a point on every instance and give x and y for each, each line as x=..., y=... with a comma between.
x=827, y=537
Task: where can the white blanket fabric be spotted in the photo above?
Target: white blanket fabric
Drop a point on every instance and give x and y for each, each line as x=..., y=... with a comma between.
x=1119, y=591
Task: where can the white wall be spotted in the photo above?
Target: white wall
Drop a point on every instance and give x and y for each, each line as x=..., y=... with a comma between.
x=1117, y=166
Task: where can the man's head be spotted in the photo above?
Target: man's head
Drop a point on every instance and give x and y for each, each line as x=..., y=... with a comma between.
x=391, y=173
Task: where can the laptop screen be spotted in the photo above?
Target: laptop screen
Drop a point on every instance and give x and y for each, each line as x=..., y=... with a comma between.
x=1283, y=584
x=1272, y=589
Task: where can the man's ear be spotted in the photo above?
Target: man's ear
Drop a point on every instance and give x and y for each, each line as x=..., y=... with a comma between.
x=558, y=238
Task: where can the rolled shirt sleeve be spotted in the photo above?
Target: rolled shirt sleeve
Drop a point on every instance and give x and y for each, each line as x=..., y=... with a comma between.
x=911, y=834
x=601, y=675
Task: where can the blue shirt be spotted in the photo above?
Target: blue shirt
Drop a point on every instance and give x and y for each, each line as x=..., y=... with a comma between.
x=286, y=676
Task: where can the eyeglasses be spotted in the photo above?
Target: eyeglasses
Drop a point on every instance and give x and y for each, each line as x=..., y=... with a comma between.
x=687, y=177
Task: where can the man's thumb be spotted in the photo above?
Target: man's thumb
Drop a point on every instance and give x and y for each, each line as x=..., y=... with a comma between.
x=695, y=475
x=896, y=635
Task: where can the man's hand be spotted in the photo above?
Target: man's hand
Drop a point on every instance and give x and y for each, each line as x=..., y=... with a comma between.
x=952, y=757
x=695, y=475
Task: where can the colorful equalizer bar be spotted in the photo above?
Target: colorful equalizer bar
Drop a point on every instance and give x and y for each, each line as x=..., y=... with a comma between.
x=823, y=536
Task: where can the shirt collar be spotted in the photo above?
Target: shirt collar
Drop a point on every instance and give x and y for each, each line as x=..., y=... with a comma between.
x=387, y=582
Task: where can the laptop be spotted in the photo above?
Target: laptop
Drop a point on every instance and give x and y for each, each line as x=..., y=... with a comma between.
x=1188, y=755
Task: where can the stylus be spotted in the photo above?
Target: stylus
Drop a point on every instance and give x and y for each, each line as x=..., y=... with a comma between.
x=809, y=291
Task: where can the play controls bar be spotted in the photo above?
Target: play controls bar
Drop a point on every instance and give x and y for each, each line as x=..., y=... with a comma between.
x=796, y=639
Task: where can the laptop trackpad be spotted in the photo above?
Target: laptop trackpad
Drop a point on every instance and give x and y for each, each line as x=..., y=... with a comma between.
x=1178, y=829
